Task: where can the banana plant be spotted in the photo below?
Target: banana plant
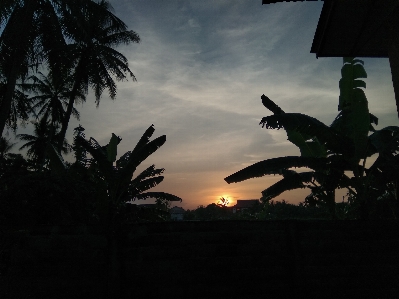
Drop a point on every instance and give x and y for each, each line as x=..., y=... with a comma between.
x=329, y=151
x=116, y=185
x=116, y=188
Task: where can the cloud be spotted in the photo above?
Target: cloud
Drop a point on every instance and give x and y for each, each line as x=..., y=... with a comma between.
x=201, y=68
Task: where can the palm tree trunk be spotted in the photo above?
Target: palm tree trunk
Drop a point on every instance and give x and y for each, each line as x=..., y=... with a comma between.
x=7, y=99
x=68, y=113
x=21, y=38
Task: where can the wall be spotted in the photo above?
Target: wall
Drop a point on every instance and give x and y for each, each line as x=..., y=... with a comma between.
x=229, y=259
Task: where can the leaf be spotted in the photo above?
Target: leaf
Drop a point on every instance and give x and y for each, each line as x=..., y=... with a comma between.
x=290, y=182
x=385, y=140
x=359, y=84
x=358, y=61
x=99, y=156
x=309, y=126
x=347, y=72
x=373, y=119
x=157, y=195
x=276, y=166
x=347, y=59
x=112, y=148
x=359, y=96
x=298, y=139
x=281, y=186
x=307, y=148
x=355, y=126
x=352, y=60
x=269, y=104
x=144, y=185
x=144, y=139
x=139, y=156
x=149, y=172
x=359, y=71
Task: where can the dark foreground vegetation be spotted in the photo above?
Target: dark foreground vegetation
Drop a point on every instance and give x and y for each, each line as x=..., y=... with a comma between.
x=335, y=156
x=69, y=230
x=382, y=209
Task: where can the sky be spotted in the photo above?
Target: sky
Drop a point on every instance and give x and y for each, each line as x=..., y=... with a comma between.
x=201, y=68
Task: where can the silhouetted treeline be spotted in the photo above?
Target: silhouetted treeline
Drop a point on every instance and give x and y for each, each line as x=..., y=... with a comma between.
x=281, y=210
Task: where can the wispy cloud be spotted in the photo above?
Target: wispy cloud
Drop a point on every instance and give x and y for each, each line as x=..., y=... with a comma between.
x=201, y=68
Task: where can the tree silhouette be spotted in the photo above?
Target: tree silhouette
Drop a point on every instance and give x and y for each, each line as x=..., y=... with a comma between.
x=346, y=144
x=95, y=61
x=38, y=143
x=36, y=32
x=51, y=96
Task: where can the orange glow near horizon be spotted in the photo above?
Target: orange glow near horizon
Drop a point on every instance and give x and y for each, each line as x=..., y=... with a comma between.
x=228, y=197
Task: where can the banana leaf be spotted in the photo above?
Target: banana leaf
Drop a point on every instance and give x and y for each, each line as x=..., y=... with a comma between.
x=144, y=185
x=276, y=166
x=157, y=195
x=310, y=126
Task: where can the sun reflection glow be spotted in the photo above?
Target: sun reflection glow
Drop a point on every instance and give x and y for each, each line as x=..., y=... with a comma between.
x=224, y=200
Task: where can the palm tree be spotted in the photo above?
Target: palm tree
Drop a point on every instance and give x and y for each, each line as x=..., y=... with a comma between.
x=21, y=107
x=52, y=94
x=95, y=60
x=38, y=143
x=35, y=31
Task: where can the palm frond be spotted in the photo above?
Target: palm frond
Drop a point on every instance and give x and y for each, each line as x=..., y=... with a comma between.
x=126, y=37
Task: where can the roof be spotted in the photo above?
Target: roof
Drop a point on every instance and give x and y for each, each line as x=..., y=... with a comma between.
x=359, y=28
x=245, y=203
x=355, y=28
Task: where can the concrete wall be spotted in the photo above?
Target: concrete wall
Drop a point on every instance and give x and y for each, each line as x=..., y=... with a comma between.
x=237, y=259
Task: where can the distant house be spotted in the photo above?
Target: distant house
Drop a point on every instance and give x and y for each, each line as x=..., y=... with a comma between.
x=244, y=204
x=176, y=213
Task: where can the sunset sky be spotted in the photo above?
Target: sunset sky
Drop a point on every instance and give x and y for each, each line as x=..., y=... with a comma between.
x=202, y=67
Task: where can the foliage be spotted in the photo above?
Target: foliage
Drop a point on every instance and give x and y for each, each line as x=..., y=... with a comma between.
x=51, y=94
x=210, y=212
x=5, y=147
x=21, y=107
x=274, y=210
x=72, y=40
x=223, y=202
x=332, y=151
x=39, y=198
x=115, y=187
x=94, y=58
x=38, y=144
